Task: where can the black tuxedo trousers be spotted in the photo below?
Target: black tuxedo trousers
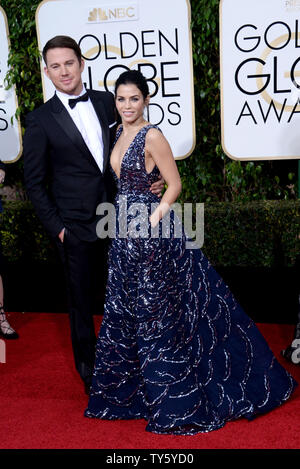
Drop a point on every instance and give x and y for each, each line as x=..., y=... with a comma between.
x=85, y=268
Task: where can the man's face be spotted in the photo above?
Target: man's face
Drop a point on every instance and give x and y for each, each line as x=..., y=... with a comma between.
x=64, y=70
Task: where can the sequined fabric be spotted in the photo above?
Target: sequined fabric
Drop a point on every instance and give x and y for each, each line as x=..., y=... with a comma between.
x=174, y=346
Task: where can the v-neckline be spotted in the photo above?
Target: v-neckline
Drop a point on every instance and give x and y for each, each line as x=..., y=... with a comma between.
x=128, y=148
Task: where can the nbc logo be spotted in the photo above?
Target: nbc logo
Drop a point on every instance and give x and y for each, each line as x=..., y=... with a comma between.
x=292, y=5
x=117, y=13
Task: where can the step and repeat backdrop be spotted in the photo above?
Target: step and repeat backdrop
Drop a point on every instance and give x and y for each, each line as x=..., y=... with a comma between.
x=259, y=65
x=10, y=129
x=153, y=37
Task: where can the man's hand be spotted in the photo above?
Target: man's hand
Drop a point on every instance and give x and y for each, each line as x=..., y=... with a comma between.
x=61, y=235
x=158, y=186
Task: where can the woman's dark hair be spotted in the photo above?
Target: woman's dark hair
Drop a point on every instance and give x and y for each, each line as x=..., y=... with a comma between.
x=133, y=77
x=62, y=41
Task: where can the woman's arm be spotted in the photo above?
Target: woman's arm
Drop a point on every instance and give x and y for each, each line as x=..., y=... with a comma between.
x=158, y=149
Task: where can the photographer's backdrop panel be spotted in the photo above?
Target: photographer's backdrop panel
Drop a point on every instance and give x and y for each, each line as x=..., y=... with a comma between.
x=260, y=78
x=151, y=36
x=10, y=131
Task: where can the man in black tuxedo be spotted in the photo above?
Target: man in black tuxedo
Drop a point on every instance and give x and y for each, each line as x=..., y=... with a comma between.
x=66, y=151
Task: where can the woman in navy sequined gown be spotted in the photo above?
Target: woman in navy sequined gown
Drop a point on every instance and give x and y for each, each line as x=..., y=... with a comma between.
x=174, y=346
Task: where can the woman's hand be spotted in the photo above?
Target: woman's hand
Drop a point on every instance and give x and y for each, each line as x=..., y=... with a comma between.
x=159, y=213
x=154, y=219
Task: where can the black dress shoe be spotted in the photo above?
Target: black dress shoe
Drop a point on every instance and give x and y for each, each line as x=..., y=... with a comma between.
x=86, y=373
x=87, y=384
x=87, y=388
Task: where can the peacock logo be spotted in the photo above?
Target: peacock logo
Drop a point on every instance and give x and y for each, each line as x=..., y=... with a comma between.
x=98, y=14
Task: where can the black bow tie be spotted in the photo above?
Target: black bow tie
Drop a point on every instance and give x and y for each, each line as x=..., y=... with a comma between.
x=73, y=102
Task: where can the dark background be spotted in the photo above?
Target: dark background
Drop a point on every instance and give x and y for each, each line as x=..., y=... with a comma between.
x=266, y=294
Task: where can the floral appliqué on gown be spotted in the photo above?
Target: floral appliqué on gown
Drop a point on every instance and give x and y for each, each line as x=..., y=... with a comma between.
x=174, y=347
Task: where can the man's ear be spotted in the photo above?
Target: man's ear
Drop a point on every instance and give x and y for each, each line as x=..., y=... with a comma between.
x=82, y=64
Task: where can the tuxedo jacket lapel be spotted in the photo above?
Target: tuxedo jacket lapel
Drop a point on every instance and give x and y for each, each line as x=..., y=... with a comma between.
x=64, y=119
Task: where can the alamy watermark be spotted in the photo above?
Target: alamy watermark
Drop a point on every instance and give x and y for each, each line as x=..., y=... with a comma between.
x=133, y=220
x=295, y=356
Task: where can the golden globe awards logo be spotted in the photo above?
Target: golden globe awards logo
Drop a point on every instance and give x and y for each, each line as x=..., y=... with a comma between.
x=113, y=13
x=155, y=53
x=269, y=76
x=260, y=89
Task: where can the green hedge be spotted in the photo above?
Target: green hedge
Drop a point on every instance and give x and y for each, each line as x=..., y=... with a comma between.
x=262, y=233
x=23, y=236
x=258, y=234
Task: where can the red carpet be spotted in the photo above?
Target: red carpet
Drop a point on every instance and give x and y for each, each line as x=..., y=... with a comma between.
x=42, y=400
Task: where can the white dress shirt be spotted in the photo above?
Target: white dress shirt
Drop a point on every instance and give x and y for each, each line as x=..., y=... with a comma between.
x=87, y=122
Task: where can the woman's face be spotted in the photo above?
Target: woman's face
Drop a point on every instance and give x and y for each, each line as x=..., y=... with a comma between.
x=130, y=103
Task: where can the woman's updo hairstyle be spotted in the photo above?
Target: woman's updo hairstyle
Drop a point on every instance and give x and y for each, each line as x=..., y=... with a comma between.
x=133, y=77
